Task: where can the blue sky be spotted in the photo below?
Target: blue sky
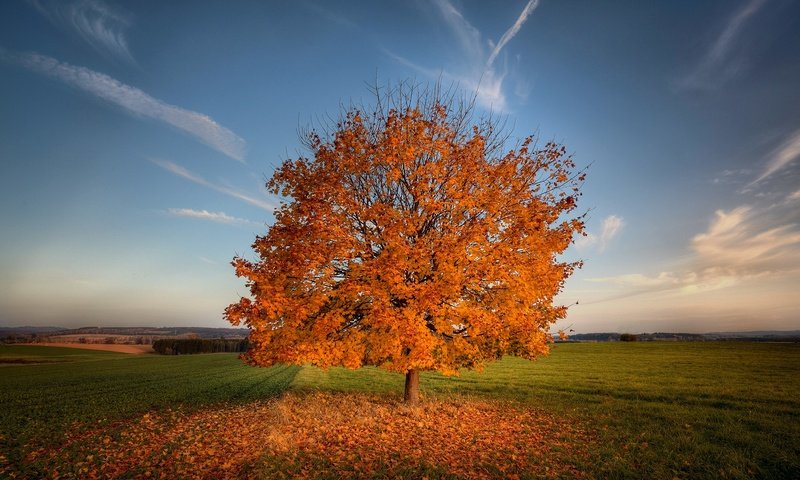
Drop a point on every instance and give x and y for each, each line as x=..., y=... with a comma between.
x=135, y=139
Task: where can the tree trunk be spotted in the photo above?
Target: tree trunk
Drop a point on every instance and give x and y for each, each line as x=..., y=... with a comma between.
x=412, y=386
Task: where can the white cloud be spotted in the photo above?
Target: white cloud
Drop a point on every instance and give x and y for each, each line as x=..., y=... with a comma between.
x=192, y=177
x=529, y=8
x=488, y=88
x=468, y=36
x=735, y=242
x=135, y=102
x=585, y=241
x=479, y=73
x=100, y=25
x=793, y=196
x=781, y=157
x=739, y=245
x=612, y=225
x=717, y=64
x=219, y=217
x=181, y=171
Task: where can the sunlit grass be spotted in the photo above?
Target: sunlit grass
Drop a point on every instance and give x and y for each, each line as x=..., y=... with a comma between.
x=32, y=354
x=41, y=402
x=664, y=409
x=657, y=410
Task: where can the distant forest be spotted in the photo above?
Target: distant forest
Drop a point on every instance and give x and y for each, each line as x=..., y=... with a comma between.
x=187, y=346
x=766, y=336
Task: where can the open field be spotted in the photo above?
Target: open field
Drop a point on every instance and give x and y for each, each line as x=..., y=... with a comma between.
x=15, y=355
x=605, y=410
x=108, y=347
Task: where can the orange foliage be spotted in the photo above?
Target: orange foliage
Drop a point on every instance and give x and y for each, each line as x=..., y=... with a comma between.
x=411, y=241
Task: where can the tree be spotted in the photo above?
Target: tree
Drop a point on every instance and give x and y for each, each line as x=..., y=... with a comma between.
x=411, y=241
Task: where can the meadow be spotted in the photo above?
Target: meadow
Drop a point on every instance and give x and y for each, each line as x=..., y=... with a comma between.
x=592, y=410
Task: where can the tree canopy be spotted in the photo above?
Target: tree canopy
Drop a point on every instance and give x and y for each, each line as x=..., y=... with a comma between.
x=411, y=239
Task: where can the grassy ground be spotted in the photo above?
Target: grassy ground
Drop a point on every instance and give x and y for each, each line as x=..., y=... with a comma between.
x=657, y=410
x=691, y=410
x=72, y=388
x=11, y=355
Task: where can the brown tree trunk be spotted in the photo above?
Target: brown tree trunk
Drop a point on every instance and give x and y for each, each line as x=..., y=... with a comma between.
x=412, y=386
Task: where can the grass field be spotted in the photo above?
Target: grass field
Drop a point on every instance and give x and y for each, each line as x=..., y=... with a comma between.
x=609, y=410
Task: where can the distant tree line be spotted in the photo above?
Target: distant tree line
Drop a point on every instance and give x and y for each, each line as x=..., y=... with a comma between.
x=186, y=346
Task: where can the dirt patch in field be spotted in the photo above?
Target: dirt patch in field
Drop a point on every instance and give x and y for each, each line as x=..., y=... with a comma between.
x=110, y=347
x=323, y=435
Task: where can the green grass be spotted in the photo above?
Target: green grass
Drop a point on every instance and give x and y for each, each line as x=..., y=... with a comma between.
x=661, y=410
x=14, y=355
x=39, y=402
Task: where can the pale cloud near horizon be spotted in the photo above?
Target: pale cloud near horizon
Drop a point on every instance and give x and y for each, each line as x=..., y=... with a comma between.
x=218, y=217
x=134, y=101
x=742, y=244
x=232, y=192
x=737, y=242
x=100, y=25
x=719, y=64
x=478, y=73
x=781, y=157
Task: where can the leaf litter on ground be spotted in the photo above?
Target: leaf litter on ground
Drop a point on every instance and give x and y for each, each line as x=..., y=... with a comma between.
x=329, y=435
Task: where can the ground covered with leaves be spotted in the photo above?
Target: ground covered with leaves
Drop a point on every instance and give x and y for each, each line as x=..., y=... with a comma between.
x=625, y=410
x=328, y=435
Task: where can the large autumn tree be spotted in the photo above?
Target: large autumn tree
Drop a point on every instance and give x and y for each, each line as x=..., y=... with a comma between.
x=411, y=239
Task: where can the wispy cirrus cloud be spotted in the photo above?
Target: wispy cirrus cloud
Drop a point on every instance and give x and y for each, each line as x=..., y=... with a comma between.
x=720, y=62
x=742, y=244
x=218, y=217
x=102, y=26
x=468, y=36
x=180, y=171
x=512, y=31
x=134, y=101
x=477, y=72
x=482, y=76
x=781, y=157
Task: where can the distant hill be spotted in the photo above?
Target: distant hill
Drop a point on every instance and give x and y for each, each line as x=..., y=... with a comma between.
x=757, y=333
x=27, y=330
x=27, y=333
x=755, y=336
x=201, y=332
x=123, y=335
